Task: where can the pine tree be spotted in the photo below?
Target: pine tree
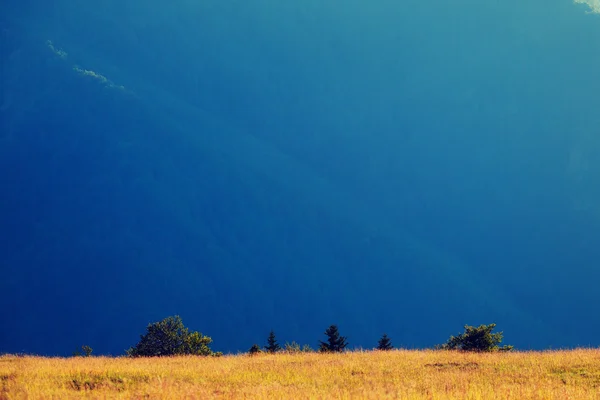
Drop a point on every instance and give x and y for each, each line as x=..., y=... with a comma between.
x=385, y=343
x=272, y=345
x=335, y=343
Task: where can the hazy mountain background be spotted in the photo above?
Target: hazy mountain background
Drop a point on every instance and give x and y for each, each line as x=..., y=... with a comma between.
x=401, y=167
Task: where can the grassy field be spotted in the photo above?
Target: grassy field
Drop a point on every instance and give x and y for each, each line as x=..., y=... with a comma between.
x=370, y=375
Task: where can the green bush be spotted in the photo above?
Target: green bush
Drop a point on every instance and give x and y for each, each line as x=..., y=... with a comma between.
x=307, y=349
x=86, y=351
x=170, y=337
x=255, y=349
x=479, y=339
x=296, y=348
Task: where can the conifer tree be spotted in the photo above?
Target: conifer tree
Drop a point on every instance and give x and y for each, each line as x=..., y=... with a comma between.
x=385, y=343
x=272, y=345
x=335, y=343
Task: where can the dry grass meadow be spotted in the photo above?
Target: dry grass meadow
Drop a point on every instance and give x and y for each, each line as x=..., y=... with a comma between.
x=398, y=374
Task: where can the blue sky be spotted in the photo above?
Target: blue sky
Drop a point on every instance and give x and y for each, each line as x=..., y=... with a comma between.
x=407, y=168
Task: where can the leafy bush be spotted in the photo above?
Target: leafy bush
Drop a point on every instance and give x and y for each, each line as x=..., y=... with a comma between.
x=296, y=348
x=307, y=349
x=86, y=351
x=255, y=349
x=170, y=337
x=479, y=339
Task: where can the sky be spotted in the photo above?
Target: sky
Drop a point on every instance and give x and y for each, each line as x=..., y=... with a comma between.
x=401, y=168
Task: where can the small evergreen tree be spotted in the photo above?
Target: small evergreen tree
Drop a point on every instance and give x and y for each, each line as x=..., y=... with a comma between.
x=479, y=339
x=335, y=343
x=385, y=343
x=272, y=345
x=170, y=337
x=255, y=349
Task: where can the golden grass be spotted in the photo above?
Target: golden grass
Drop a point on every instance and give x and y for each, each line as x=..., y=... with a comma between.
x=399, y=374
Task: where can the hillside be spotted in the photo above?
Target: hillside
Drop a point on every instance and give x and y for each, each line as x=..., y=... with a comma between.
x=396, y=374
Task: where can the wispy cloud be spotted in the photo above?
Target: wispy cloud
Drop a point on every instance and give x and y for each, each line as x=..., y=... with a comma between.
x=56, y=50
x=82, y=71
x=594, y=5
x=98, y=77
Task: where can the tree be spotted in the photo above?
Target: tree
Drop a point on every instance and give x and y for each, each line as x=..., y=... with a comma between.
x=335, y=343
x=86, y=351
x=385, y=343
x=255, y=349
x=272, y=345
x=170, y=337
x=197, y=345
x=479, y=339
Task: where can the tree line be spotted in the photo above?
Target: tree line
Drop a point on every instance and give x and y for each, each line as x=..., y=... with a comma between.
x=170, y=337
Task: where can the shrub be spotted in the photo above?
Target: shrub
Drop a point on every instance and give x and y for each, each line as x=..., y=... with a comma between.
x=170, y=337
x=86, y=351
x=479, y=339
x=255, y=349
x=335, y=343
x=296, y=348
x=307, y=349
x=292, y=347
